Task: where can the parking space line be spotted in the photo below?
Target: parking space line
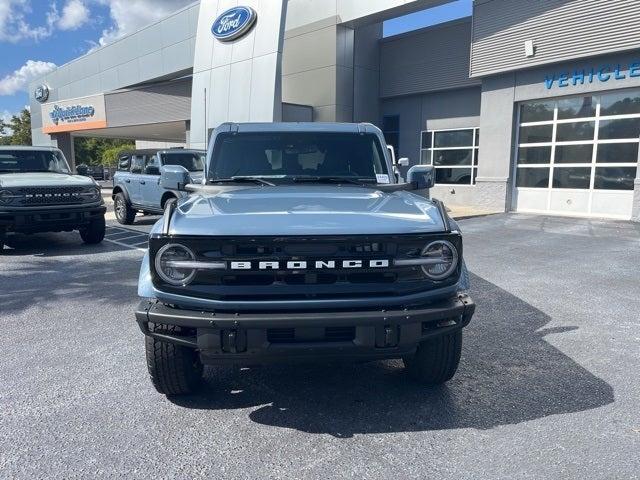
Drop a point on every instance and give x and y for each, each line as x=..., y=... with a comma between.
x=115, y=235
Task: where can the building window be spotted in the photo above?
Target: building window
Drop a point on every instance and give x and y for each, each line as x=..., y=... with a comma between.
x=453, y=153
x=391, y=130
x=584, y=142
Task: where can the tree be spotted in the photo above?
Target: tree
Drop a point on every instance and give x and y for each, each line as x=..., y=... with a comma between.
x=110, y=155
x=20, y=128
x=90, y=151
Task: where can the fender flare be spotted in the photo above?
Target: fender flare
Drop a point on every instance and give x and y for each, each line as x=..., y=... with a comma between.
x=118, y=189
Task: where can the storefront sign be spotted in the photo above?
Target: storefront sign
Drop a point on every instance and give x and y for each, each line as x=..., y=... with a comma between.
x=233, y=23
x=85, y=113
x=602, y=74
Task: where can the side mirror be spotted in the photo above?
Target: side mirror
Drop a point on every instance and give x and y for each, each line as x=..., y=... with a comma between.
x=403, y=162
x=422, y=175
x=174, y=177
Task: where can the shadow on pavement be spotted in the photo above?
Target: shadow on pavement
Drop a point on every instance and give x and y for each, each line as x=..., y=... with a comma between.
x=53, y=245
x=509, y=374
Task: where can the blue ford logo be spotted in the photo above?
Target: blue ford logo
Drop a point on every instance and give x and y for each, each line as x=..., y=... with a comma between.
x=233, y=23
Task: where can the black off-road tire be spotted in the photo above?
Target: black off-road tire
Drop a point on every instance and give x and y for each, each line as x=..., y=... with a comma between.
x=436, y=360
x=174, y=369
x=94, y=232
x=124, y=213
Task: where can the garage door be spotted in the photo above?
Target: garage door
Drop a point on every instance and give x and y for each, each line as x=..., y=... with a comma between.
x=578, y=155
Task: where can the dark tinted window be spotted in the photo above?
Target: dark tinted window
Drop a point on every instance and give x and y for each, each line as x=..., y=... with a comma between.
x=534, y=155
x=452, y=157
x=137, y=164
x=571, y=177
x=615, y=178
x=454, y=138
x=16, y=161
x=297, y=154
x=574, y=153
x=536, y=134
x=577, y=107
x=571, y=132
x=617, y=153
x=537, y=111
x=622, y=128
x=460, y=176
x=533, y=177
x=192, y=161
x=619, y=103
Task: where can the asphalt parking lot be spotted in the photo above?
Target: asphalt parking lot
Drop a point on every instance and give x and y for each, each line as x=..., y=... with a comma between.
x=549, y=385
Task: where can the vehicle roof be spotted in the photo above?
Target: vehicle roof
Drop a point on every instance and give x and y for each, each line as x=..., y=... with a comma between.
x=325, y=127
x=153, y=151
x=27, y=147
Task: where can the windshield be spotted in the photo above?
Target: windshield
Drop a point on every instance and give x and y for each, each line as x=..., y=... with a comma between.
x=298, y=156
x=22, y=161
x=192, y=161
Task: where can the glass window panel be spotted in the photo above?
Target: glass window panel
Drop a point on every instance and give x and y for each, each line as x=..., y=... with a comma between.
x=476, y=156
x=537, y=111
x=577, y=107
x=533, y=177
x=617, y=153
x=454, y=138
x=452, y=157
x=534, y=155
x=620, y=103
x=425, y=157
x=426, y=140
x=615, y=178
x=477, y=144
x=574, y=154
x=536, y=134
x=460, y=176
x=475, y=174
x=571, y=132
x=571, y=177
x=623, y=128
x=391, y=123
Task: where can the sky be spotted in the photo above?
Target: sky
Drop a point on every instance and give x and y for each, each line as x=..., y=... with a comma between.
x=38, y=35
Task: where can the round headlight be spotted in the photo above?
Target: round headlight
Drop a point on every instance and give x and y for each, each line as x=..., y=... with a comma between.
x=94, y=193
x=169, y=264
x=444, y=258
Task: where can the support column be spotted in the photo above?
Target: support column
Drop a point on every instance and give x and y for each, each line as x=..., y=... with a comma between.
x=64, y=141
x=493, y=190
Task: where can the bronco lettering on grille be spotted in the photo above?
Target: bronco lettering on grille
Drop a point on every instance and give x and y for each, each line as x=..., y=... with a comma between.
x=306, y=265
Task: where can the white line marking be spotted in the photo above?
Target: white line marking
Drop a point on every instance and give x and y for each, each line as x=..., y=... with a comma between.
x=125, y=245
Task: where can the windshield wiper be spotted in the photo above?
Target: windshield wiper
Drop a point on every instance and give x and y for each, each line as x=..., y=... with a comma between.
x=352, y=180
x=238, y=179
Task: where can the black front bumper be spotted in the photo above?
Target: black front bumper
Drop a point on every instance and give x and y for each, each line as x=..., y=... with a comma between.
x=251, y=338
x=49, y=219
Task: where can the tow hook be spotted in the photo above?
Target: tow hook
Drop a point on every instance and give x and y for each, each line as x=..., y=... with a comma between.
x=234, y=341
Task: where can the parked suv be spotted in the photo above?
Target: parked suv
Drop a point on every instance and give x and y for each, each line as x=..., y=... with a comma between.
x=38, y=193
x=301, y=245
x=136, y=183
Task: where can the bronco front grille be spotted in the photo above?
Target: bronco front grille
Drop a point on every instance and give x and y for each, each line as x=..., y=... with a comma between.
x=283, y=284
x=51, y=195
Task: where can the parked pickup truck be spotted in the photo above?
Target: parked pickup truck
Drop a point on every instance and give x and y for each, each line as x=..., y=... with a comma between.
x=136, y=184
x=38, y=193
x=301, y=245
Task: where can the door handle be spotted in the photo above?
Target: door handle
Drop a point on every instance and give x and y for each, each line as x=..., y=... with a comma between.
x=142, y=182
x=127, y=181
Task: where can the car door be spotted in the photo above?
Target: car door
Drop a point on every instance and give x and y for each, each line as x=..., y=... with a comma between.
x=150, y=191
x=133, y=182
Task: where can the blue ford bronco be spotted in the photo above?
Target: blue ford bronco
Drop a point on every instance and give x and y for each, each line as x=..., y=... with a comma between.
x=136, y=183
x=38, y=193
x=301, y=244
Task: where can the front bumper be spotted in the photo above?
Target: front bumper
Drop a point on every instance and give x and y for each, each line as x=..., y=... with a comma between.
x=250, y=338
x=49, y=219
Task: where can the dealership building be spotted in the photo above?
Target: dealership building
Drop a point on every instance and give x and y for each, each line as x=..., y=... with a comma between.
x=528, y=106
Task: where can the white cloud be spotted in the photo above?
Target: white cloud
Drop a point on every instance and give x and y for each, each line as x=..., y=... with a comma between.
x=19, y=79
x=14, y=26
x=131, y=15
x=74, y=14
x=5, y=117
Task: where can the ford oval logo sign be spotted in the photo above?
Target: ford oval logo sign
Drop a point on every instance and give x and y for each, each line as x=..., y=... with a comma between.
x=233, y=23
